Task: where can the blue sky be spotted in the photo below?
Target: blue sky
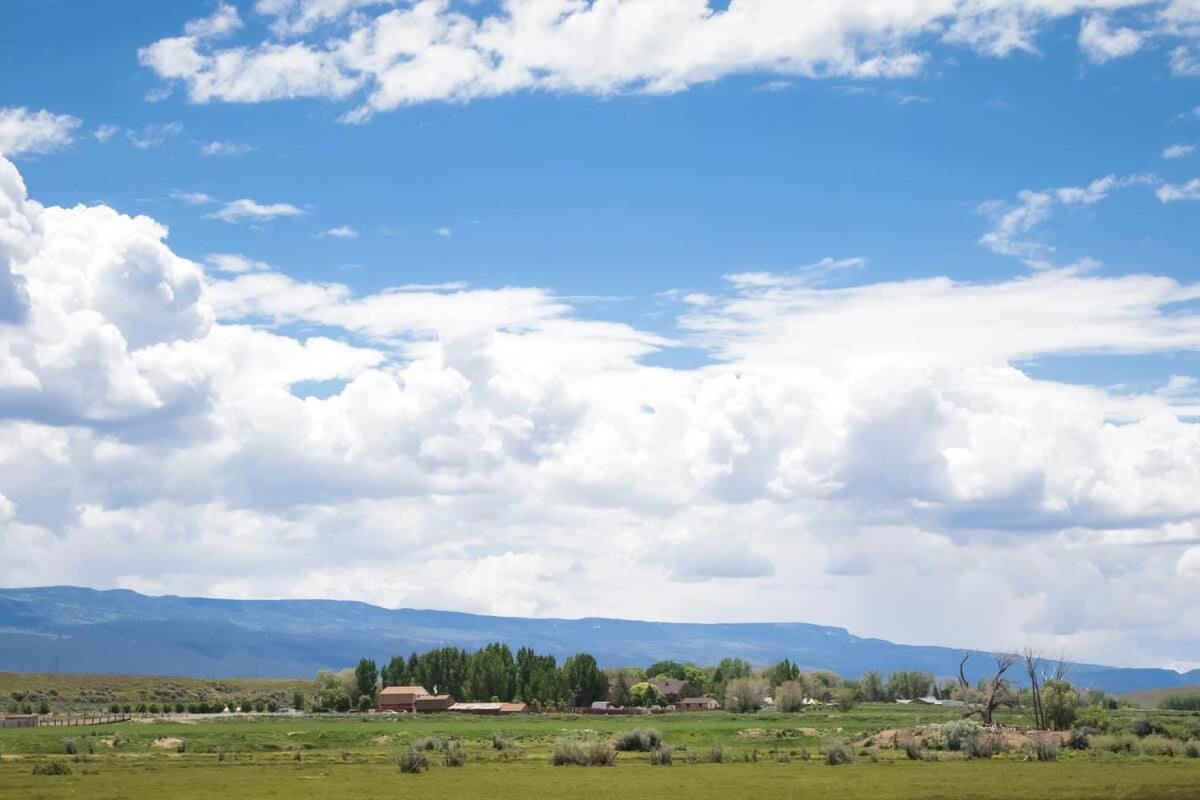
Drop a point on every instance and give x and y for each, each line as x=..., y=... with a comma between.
x=684, y=268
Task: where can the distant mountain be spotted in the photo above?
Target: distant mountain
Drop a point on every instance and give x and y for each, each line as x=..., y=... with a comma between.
x=70, y=629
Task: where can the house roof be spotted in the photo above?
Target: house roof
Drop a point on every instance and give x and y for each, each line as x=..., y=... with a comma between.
x=698, y=700
x=670, y=685
x=391, y=690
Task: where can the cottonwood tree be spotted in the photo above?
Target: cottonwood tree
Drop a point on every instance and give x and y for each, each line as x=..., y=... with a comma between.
x=993, y=693
x=1041, y=677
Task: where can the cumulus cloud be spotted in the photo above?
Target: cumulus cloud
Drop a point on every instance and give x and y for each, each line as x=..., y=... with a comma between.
x=24, y=131
x=1178, y=151
x=436, y=50
x=877, y=438
x=1102, y=43
x=341, y=232
x=246, y=209
x=154, y=135
x=1175, y=192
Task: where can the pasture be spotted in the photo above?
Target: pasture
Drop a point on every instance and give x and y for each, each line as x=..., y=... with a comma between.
x=761, y=755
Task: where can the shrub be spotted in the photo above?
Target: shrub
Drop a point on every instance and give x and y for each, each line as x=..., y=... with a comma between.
x=1113, y=744
x=52, y=768
x=1189, y=702
x=43, y=708
x=662, y=756
x=750, y=756
x=412, y=761
x=179, y=708
x=114, y=709
x=1095, y=719
x=845, y=698
x=428, y=743
x=717, y=754
x=987, y=745
x=1192, y=750
x=298, y=756
x=804, y=754
x=182, y=746
x=911, y=747
x=141, y=708
x=453, y=755
x=220, y=754
x=1078, y=739
x=128, y=709
x=960, y=734
x=638, y=741
x=1041, y=747
x=499, y=742
x=1143, y=727
x=70, y=747
x=783, y=757
x=593, y=753
x=153, y=708
x=789, y=696
x=838, y=753
x=1158, y=746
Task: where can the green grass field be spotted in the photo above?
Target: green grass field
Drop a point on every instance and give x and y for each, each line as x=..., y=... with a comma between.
x=313, y=757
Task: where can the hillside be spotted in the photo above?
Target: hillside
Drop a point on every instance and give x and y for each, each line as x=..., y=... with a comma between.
x=67, y=629
x=77, y=692
x=1152, y=698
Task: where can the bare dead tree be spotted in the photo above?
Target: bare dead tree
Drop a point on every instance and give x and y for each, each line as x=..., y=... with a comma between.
x=996, y=692
x=1033, y=667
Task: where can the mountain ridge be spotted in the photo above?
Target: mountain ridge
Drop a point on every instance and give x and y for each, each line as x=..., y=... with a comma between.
x=74, y=629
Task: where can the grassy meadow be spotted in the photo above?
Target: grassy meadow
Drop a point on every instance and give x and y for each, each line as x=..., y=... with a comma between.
x=760, y=755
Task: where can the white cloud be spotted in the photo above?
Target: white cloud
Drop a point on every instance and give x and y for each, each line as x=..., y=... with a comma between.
x=224, y=21
x=341, y=232
x=518, y=455
x=432, y=50
x=154, y=135
x=1178, y=151
x=193, y=198
x=444, y=232
x=236, y=263
x=1102, y=43
x=1172, y=192
x=105, y=132
x=221, y=148
x=24, y=131
x=246, y=209
x=1185, y=61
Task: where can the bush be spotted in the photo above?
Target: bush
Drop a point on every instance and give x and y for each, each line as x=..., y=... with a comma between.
x=128, y=709
x=1158, y=746
x=783, y=757
x=638, y=741
x=153, y=708
x=412, y=761
x=114, y=709
x=960, y=734
x=838, y=753
x=453, y=754
x=593, y=753
x=1143, y=727
x=179, y=708
x=1078, y=740
x=52, y=768
x=1192, y=750
x=499, y=742
x=662, y=756
x=428, y=743
x=1113, y=744
x=717, y=754
x=987, y=745
x=1188, y=702
x=182, y=746
x=43, y=708
x=1042, y=747
x=1095, y=719
x=845, y=698
x=220, y=754
x=911, y=747
x=789, y=696
x=70, y=747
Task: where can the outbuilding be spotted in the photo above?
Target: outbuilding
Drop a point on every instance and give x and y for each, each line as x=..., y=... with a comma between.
x=401, y=698
x=697, y=704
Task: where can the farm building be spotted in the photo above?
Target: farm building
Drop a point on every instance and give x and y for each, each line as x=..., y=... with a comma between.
x=433, y=702
x=671, y=688
x=697, y=704
x=401, y=698
x=489, y=709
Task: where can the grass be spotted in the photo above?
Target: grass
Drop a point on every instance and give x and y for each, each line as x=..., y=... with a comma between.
x=765, y=754
x=66, y=693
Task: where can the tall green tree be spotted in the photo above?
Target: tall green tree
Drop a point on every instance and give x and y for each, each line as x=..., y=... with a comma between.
x=871, y=687
x=444, y=671
x=366, y=677
x=492, y=674
x=783, y=672
x=394, y=673
x=584, y=680
x=538, y=678
x=670, y=669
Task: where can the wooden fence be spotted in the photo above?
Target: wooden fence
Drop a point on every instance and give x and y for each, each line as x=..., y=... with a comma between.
x=62, y=722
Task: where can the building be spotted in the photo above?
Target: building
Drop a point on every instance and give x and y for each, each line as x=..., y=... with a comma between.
x=697, y=704
x=671, y=688
x=400, y=698
x=19, y=721
x=488, y=709
x=433, y=702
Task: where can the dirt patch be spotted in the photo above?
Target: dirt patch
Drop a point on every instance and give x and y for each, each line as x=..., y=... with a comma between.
x=10, y=757
x=381, y=740
x=167, y=743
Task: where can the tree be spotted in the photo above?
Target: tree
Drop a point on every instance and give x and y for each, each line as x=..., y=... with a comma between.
x=492, y=673
x=644, y=695
x=871, y=688
x=845, y=697
x=1036, y=670
x=444, y=671
x=789, y=696
x=394, y=673
x=538, y=678
x=992, y=693
x=699, y=680
x=667, y=669
x=366, y=678
x=1059, y=703
x=585, y=682
x=298, y=701
x=783, y=672
x=908, y=684
x=821, y=684
x=746, y=694
x=330, y=692
x=618, y=695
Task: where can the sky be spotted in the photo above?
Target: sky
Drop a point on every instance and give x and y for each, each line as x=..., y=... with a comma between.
x=882, y=316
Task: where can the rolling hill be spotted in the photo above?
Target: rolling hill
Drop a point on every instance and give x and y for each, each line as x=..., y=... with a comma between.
x=70, y=629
